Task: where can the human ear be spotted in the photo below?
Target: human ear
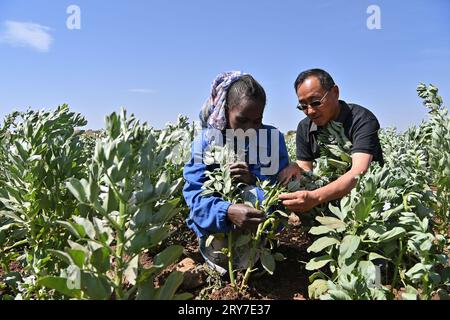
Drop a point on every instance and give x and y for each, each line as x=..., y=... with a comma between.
x=336, y=91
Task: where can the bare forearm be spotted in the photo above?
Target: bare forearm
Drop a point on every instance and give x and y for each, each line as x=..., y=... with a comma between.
x=303, y=201
x=336, y=189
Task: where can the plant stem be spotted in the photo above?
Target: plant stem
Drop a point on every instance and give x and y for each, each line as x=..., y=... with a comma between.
x=119, y=250
x=230, y=259
x=425, y=291
x=252, y=258
x=256, y=240
x=397, y=265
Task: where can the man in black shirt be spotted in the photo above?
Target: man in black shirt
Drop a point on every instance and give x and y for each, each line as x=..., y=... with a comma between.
x=319, y=99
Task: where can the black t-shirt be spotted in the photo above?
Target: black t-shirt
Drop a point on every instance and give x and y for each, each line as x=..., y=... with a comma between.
x=360, y=126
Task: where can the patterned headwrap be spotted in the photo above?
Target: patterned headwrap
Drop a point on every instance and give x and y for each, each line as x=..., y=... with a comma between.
x=213, y=115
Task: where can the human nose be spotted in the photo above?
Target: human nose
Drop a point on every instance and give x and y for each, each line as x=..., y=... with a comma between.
x=310, y=110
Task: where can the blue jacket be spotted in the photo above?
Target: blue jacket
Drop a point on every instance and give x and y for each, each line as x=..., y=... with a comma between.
x=208, y=215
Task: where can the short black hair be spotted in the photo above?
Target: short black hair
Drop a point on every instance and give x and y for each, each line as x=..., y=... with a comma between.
x=245, y=88
x=326, y=81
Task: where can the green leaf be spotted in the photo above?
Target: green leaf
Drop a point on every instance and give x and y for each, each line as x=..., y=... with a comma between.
x=6, y=227
x=147, y=191
x=374, y=231
x=78, y=256
x=218, y=186
x=92, y=190
x=162, y=184
x=317, y=288
x=368, y=270
x=77, y=189
x=103, y=232
x=374, y=256
x=242, y=240
x=279, y=257
x=77, y=246
x=348, y=246
x=100, y=259
x=426, y=245
x=281, y=213
x=339, y=295
x=168, y=256
x=131, y=272
x=410, y=294
x=148, y=238
x=145, y=274
x=395, y=233
x=110, y=203
x=166, y=212
x=336, y=211
x=96, y=287
x=320, y=230
x=331, y=223
x=348, y=265
x=318, y=262
x=227, y=186
x=59, y=284
x=317, y=275
x=146, y=291
x=76, y=230
x=362, y=209
x=416, y=272
x=387, y=214
x=64, y=256
x=11, y=215
x=268, y=262
x=87, y=226
x=73, y=274
x=435, y=278
x=209, y=240
x=322, y=243
x=171, y=285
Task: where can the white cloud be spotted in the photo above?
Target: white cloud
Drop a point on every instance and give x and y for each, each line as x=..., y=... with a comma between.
x=142, y=90
x=27, y=34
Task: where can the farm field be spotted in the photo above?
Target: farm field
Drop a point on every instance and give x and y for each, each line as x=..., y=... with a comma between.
x=101, y=215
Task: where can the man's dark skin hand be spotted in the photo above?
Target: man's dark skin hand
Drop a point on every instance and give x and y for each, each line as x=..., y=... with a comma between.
x=245, y=217
x=241, y=173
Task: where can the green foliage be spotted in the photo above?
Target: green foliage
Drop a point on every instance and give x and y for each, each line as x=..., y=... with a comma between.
x=78, y=209
x=38, y=152
x=392, y=219
x=129, y=200
x=84, y=208
x=250, y=244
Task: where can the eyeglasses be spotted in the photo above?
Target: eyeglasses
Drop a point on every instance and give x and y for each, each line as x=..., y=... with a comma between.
x=314, y=104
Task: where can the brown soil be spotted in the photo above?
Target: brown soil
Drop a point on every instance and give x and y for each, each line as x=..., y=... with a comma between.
x=289, y=281
x=14, y=266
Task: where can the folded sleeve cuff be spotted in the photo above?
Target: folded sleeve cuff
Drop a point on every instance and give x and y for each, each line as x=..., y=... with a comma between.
x=223, y=224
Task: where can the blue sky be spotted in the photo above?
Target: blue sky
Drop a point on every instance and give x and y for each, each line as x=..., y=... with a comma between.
x=158, y=58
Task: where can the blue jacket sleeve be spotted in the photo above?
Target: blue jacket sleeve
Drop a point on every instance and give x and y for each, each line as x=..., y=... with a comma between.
x=208, y=215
